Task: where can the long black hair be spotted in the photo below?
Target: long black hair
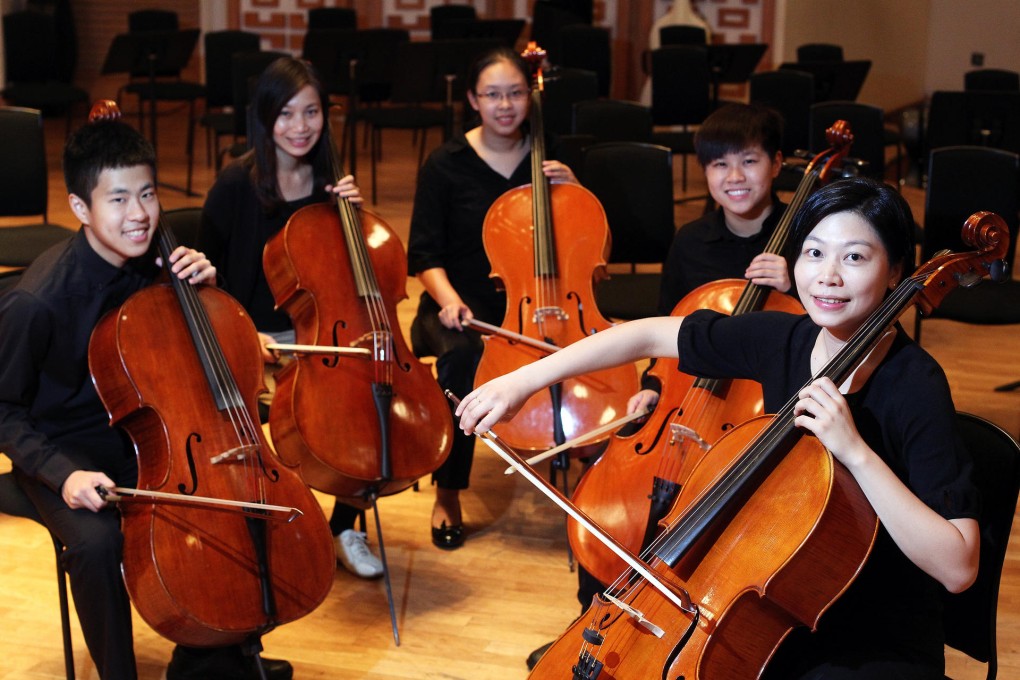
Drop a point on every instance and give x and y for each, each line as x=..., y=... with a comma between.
x=277, y=85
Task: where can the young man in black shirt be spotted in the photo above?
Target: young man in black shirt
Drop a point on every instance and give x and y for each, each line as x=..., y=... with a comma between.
x=53, y=425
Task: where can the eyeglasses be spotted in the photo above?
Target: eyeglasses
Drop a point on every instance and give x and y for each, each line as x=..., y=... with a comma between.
x=494, y=97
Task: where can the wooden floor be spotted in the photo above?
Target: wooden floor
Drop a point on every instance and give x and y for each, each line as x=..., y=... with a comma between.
x=474, y=613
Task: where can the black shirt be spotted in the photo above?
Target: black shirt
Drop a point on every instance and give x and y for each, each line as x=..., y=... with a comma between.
x=51, y=419
x=455, y=190
x=235, y=229
x=905, y=414
x=705, y=250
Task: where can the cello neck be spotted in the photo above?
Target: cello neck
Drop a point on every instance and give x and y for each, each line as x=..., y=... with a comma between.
x=361, y=266
x=545, y=243
x=214, y=364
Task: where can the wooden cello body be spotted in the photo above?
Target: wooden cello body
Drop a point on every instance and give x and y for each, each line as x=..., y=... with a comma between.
x=635, y=481
x=767, y=533
x=375, y=422
x=546, y=243
x=752, y=578
x=184, y=384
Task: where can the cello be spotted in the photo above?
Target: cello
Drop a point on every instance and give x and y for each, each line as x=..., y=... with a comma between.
x=743, y=579
x=546, y=243
x=339, y=276
x=635, y=481
x=211, y=532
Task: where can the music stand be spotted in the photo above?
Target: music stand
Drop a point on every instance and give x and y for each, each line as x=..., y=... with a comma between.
x=834, y=80
x=151, y=52
x=732, y=63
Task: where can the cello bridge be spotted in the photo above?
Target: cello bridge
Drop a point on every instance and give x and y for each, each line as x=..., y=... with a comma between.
x=380, y=342
x=637, y=615
x=236, y=454
x=543, y=313
x=681, y=432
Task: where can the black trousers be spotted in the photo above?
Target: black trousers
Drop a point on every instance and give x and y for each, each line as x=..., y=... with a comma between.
x=92, y=560
x=457, y=355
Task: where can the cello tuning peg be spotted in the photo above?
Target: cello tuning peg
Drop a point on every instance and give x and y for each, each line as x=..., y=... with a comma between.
x=998, y=271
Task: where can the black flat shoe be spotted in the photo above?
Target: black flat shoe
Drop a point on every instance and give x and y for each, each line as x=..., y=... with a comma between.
x=223, y=663
x=537, y=655
x=448, y=537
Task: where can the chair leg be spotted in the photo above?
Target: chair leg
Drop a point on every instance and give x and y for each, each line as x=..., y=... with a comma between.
x=65, y=617
x=376, y=141
x=421, y=147
x=191, y=146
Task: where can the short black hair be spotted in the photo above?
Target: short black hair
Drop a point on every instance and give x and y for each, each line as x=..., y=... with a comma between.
x=877, y=203
x=735, y=127
x=103, y=145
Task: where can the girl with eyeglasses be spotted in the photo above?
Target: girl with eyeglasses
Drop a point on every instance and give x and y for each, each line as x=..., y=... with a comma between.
x=456, y=186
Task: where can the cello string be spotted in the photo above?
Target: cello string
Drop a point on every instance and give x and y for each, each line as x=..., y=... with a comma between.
x=764, y=443
x=753, y=296
x=363, y=270
x=782, y=423
x=210, y=353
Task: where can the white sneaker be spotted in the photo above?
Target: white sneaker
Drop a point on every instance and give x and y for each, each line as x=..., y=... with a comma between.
x=353, y=553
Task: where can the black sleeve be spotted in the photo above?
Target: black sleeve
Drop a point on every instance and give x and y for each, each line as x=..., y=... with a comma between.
x=427, y=239
x=26, y=329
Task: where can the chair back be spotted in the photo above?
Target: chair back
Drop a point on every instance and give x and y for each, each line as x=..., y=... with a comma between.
x=991, y=79
x=548, y=19
x=968, y=618
x=30, y=42
x=331, y=18
x=377, y=51
x=680, y=85
x=791, y=93
x=220, y=47
x=455, y=58
x=185, y=223
x=23, y=180
x=587, y=47
x=143, y=20
x=504, y=32
x=819, y=52
x=866, y=123
x=149, y=21
x=634, y=183
x=611, y=120
x=322, y=48
x=682, y=34
x=961, y=181
x=564, y=87
x=439, y=15
x=980, y=117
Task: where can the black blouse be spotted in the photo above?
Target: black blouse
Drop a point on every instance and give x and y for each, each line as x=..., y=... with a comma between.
x=905, y=413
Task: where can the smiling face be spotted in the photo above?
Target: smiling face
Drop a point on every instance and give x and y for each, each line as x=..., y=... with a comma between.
x=501, y=98
x=299, y=125
x=843, y=273
x=122, y=215
x=741, y=182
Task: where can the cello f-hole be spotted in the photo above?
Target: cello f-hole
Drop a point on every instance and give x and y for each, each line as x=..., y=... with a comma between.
x=638, y=448
x=189, y=454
